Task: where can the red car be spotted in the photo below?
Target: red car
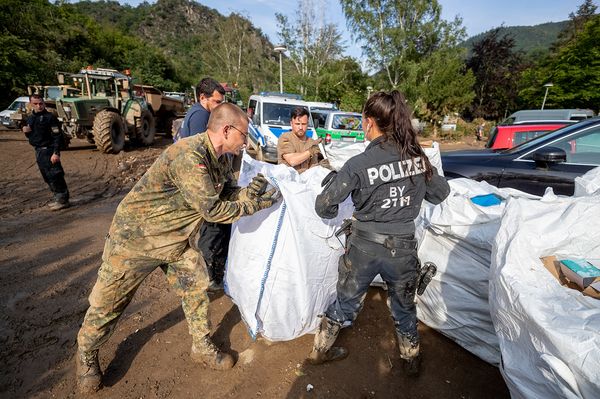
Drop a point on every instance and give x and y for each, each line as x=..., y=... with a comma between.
x=508, y=136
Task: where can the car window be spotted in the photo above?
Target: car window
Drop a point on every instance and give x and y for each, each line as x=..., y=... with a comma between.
x=16, y=105
x=319, y=118
x=346, y=121
x=581, y=148
x=279, y=114
x=521, y=137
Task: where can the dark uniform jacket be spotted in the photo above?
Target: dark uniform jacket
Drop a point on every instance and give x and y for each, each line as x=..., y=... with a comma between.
x=387, y=191
x=45, y=131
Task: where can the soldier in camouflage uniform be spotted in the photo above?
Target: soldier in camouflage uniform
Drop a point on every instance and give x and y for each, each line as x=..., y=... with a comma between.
x=189, y=183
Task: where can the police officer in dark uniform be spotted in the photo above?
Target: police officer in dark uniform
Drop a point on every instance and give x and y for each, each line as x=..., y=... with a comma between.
x=44, y=134
x=387, y=183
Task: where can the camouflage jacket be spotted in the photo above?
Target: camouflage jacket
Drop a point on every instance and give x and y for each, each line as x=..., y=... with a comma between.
x=186, y=185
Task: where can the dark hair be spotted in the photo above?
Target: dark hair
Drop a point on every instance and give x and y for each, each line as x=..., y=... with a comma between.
x=207, y=86
x=36, y=95
x=298, y=112
x=392, y=116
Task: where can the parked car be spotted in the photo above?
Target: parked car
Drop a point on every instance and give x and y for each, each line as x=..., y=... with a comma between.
x=552, y=160
x=509, y=136
x=271, y=115
x=338, y=125
x=544, y=115
x=19, y=104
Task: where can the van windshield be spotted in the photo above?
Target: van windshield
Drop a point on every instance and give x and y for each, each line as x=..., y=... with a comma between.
x=279, y=114
x=16, y=105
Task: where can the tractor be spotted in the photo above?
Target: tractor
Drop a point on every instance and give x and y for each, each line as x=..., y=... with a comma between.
x=106, y=111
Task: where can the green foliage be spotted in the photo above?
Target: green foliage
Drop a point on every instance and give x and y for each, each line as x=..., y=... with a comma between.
x=530, y=40
x=574, y=70
x=496, y=67
x=572, y=66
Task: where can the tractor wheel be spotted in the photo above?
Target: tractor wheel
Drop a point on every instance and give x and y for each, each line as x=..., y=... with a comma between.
x=145, y=129
x=109, y=132
x=169, y=126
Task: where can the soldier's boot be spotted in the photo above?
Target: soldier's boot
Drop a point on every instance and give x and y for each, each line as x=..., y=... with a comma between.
x=323, y=349
x=409, y=353
x=89, y=376
x=206, y=352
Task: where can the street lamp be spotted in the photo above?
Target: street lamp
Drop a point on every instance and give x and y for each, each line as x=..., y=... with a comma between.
x=280, y=49
x=369, y=90
x=547, y=86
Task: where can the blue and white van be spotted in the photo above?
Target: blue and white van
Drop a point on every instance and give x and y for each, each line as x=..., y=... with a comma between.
x=270, y=115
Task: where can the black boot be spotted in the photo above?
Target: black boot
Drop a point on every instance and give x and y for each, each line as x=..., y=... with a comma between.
x=323, y=349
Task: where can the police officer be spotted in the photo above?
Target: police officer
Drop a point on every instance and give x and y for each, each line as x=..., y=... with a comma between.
x=387, y=184
x=44, y=134
x=188, y=183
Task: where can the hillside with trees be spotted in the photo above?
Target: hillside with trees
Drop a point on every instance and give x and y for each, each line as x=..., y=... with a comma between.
x=530, y=40
x=407, y=45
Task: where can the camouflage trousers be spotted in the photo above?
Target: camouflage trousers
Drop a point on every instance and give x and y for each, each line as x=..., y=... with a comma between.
x=122, y=272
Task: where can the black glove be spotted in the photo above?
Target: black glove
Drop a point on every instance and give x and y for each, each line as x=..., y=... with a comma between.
x=257, y=186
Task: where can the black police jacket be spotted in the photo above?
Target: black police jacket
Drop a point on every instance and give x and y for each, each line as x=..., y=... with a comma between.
x=387, y=191
x=45, y=130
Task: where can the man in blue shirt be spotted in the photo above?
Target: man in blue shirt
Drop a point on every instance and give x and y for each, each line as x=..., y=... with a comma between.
x=214, y=237
x=210, y=94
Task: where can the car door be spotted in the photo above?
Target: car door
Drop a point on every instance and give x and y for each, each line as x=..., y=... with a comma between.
x=582, y=151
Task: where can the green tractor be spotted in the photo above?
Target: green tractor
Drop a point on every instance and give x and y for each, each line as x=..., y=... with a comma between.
x=106, y=111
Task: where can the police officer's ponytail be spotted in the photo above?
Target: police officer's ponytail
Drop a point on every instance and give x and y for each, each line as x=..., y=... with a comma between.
x=392, y=115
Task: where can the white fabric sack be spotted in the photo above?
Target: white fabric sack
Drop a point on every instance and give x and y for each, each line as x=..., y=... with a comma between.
x=458, y=236
x=282, y=263
x=588, y=184
x=549, y=335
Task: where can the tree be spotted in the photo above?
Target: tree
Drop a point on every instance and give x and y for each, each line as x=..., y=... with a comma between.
x=496, y=68
x=573, y=67
x=398, y=34
x=577, y=21
x=312, y=44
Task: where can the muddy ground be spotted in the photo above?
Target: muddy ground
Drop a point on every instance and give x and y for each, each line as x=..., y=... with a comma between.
x=48, y=265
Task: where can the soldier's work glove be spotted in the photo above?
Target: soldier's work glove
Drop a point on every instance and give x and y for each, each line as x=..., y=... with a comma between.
x=268, y=198
x=257, y=186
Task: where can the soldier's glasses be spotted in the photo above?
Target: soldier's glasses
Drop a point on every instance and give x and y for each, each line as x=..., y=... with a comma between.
x=243, y=134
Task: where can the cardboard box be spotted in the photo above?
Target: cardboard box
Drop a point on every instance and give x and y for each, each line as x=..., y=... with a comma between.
x=553, y=265
x=579, y=271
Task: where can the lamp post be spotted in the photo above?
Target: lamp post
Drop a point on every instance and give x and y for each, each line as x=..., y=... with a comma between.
x=547, y=86
x=369, y=90
x=280, y=49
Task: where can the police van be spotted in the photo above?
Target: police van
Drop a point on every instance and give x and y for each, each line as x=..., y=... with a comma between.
x=270, y=114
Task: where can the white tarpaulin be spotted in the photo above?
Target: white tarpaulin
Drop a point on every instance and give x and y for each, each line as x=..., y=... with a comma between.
x=549, y=334
x=457, y=236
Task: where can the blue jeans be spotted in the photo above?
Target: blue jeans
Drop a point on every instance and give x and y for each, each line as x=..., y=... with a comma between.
x=356, y=270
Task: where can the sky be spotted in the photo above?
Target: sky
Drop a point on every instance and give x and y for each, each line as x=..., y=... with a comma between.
x=478, y=15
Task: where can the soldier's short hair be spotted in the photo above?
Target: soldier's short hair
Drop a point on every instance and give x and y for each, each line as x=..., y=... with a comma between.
x=36, y=96
x=225, y=114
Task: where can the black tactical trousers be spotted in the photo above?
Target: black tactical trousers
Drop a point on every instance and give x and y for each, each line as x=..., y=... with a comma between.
x=357, y=269
x=53, y=173
x=214, y=245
